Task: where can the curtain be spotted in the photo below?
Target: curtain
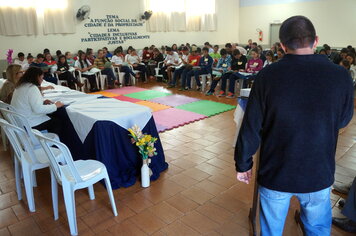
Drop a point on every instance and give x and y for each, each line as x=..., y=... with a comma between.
x=59, y=20
x=181, y=15
x=201, y=15
x=18, y=21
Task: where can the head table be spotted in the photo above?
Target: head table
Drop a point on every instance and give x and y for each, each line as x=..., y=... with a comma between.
x=95, y=127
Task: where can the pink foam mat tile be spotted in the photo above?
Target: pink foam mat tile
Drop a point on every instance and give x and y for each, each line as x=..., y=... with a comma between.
x=173, y=118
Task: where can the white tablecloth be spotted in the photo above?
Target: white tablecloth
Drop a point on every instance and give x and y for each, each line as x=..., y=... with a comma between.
x=85, y=109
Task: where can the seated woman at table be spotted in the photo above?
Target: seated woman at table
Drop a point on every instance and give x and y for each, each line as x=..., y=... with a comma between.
x=118, y=62
x=134, y=60
x=84, y=66
x=64, y=74
x=103, y=64
x=28, y=100
x=13, y=74
x=254, y=65
x=269, y=59
x=39, y=62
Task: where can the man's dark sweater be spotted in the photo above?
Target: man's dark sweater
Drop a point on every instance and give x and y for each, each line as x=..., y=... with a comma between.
x=295, y=110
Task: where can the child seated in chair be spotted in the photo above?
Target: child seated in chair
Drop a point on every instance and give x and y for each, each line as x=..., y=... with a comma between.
x=193, y=60
x=184, y=57
x=221, y=71
x=105, y=66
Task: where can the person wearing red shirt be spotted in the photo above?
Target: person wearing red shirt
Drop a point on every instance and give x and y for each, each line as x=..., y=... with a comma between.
x=193, y=60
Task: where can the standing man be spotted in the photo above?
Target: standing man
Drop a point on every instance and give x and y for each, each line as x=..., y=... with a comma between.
x=295, y=110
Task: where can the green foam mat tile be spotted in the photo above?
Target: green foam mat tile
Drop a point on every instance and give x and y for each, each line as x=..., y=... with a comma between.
x=205, y=107
x=147, y=95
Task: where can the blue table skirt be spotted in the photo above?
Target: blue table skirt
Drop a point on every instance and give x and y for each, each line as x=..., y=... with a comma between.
x=109, y=143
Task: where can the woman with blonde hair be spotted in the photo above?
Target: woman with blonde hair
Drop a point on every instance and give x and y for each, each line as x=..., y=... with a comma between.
x=13, y=74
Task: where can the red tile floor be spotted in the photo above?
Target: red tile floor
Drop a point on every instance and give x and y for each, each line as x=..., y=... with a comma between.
x=197, y=195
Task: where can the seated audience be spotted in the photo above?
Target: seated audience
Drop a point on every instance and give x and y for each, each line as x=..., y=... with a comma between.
x=90, y=55
x=341, y=56
x=21, y=61
x=215, y=54
x=13, y=74
x=58, y=53
x=64, y=73
x=280, y=54
x=29, y=59
x=269, y=59
x=221, y=71
x=134, y=60
x=208, y=45
x=39, y=62
x=118, y=62
x=179, y=70
x=157, y=57
x=170, y=61
x=193, y=60
x=69, y=59
x=228, y=48
x=84, y=66
x=174, y=48
x=28, y=100
x=52, y=64
x=249, y=45
x=107, y=53
x=347, y=65
x=147, y=55
x=254, y=65
x=103, y=64
x=260, y=51
x=205, y=67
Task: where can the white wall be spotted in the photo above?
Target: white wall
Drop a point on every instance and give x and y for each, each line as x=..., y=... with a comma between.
x=227, y=30
x=334, y=20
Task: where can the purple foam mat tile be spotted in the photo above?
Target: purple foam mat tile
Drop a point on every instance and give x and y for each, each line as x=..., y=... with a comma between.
x=173, y=118
x=174, y=100
x=126, y=90
x=127, y=99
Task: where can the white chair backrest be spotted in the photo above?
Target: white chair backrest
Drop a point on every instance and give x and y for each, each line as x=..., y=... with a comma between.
x=19, y=141
x=20, y=121
x=57, y=163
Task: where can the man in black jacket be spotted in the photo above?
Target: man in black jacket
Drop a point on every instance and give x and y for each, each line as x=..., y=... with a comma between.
x=295, y=110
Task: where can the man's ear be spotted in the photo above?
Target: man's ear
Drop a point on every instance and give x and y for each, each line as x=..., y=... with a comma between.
x=284, y=48
x=316, y=42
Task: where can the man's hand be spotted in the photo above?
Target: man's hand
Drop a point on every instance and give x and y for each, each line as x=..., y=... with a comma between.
x=244, y=176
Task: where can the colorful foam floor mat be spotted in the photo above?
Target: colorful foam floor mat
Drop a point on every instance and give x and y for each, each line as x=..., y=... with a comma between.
x=169, y=110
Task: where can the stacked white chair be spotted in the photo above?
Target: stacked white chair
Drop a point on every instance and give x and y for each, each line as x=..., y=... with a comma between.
x=27, y=160
x=74, y=175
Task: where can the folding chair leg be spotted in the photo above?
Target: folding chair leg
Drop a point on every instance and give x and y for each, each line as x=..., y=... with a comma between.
x=18, y=179
x=34, y=179
x=91, y=192
x=4, y=139
x=69, y=200
x=27, y=177
x=111, y=196
x=54, y=188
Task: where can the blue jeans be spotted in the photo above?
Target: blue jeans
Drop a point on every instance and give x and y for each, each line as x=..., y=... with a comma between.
x=177, y=73
x=110, y=74
x=315, y=211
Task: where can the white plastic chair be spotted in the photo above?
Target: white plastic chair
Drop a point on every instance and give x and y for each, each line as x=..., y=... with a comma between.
x=120, y=75
x=27, y=161
x=158, y=69
x=73, y=175
x=81, y=79
x=3, y=135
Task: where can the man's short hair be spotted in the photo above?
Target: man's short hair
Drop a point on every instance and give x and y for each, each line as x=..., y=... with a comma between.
x=236, y=52
x=297, y=32
x=168, y=49
x=327, y=47
x=223, y=52
x=228, y=45
x=254, y=43
x=20, y=54
x=205, y=49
